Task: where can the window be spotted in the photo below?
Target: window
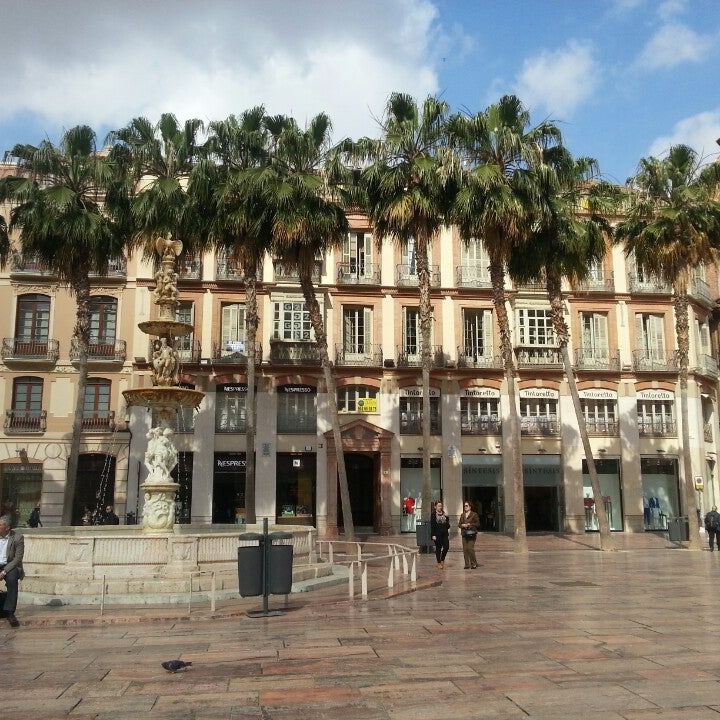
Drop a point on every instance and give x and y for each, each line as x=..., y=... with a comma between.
x=32, y=324
x=357, y=330
x=184, y=344
x=411, y=331
x=411, y=416
x=600, y=416
x=593, y=327
x=650, y=336
x=232, y=339
x=479, y=416
x=292, y=322
x=476, y=260
x=103, y=324
x=596, y=272
x=96, y=407
x=703, y=338
x=357, y=255
x=230, y=402
x=27, y=413
x=409, y=257
x=477, y=331
x=538, y=416
x=535, y=327
x=656, y=417
x=353, y=398
x=297, y=409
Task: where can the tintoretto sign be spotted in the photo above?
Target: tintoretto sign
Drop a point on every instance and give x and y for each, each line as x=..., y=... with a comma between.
x=598, y=394
x=417, y=392
x=539, y=393
x=655, y=394
x=480, y=392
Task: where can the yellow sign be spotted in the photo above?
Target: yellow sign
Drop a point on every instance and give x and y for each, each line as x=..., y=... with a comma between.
x=367, y=405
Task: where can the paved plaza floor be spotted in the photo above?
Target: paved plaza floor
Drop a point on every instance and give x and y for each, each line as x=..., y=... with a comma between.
x=555, y=634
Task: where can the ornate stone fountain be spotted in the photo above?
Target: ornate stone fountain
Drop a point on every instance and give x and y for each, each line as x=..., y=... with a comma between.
x=165, y=397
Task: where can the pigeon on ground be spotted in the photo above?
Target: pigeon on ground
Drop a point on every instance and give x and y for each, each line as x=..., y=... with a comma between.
x=172, y=666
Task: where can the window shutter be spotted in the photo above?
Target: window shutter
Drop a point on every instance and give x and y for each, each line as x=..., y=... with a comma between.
x=704, y=343
x=601, y=336
x=347, y=248
x=657, y=337
x=368, y=258
x=641, y=340
x=521, y=326
x=367, y=328
x=229, y=325
x=487, y=329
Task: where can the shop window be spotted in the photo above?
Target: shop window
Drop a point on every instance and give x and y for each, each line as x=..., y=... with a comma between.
x=230, y=402
x=357, y=399
x=479, y=416
x=228, y=499
x=411, y=416
x=20, y=486
x=411, y=482
x=538, y=416
x=660, y=489
x=608, y=471
x=296, y=487
x=656, y=418
x=182, y=474
x=297, y=409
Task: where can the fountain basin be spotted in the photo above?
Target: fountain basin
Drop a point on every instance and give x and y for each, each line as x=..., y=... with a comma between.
x=165, y=328
x=164, y=397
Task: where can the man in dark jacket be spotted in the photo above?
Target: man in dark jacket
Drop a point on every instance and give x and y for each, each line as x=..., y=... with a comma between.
x=110, y=518
x=12, y=549
x=712, y=525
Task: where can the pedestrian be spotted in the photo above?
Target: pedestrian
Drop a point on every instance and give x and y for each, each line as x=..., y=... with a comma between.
x=34, y=519
x=12, y=549
x=87, y=518
x=469, y=523
x=8, y=511
x=110, y=518
x=712, y=525
x=440, y=531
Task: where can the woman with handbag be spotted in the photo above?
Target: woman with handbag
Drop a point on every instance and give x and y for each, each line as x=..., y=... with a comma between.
x=469, y=523
x=440, y=531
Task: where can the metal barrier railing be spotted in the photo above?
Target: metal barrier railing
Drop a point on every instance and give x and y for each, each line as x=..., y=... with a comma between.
x=399, y=559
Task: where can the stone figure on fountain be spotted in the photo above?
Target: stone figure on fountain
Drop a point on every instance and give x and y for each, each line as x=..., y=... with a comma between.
x=161, y=455
x=166, y=364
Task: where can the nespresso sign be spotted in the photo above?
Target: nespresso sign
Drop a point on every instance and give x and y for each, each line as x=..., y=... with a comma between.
x=234, y=388
x=296, y=389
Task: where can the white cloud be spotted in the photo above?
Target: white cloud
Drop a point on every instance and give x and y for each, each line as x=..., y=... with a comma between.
x=674, y=44
x=698, y=131
x=669, y=8
x=105, y=63
x=558, y=82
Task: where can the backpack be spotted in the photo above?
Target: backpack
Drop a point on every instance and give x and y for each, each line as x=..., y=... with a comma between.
x=713, y=521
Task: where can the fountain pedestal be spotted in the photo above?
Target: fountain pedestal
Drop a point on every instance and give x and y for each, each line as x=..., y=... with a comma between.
x=159, y=506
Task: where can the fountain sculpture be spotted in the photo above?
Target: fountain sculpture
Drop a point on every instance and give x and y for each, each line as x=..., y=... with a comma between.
x=165, y=397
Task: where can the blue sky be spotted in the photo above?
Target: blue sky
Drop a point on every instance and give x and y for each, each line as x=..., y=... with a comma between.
x=623, y=78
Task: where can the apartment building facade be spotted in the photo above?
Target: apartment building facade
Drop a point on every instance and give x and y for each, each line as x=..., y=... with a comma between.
x=623, y=344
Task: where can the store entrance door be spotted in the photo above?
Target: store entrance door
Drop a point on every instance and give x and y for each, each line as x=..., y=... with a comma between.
x=485, y=502
x=364, y=498
x=541, y=509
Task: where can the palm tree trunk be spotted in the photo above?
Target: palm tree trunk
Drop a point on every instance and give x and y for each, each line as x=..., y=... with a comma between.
x=81, y=336
x=321, y=340
x=251, y=326
x=497, y=278
x=690, y=508
x=423, y=269
x=554, y=289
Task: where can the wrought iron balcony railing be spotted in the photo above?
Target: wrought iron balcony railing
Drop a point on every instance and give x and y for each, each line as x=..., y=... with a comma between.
x=112, y=351
x=230, y=271
x=534, y=356
x=603, y=284
x=700, y=291
x=480, y=426
x=25, y=421
x=605, y=427
x=647, y=285
x=98, y=421
x=539, y=426
x=413, y=426
x=234, y=353
x=354, y=274
x=286, y=352
x=367, y=356
x=438, y=358
x=472, y=276
x=593, y=358
x=21, y=264
x=469, y=359
x=406, y=276
x=117, y=269
x=26, y=349
x=189, y=268
x=653, y=427
x=532, y=286
x=648, y=361
x=289, y=274
x=708, y=366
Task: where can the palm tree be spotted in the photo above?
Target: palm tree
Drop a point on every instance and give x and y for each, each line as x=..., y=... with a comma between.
x=673, y=226
x=70, y=208
x=4, y=241
x=240, y=223
x=565, y=243
x=497, y=202
x=408, y=189
x=308, y=220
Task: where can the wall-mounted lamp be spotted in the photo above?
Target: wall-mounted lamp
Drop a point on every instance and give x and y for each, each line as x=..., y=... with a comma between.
x=661, y=451
x=602, y=451
x=483, y=450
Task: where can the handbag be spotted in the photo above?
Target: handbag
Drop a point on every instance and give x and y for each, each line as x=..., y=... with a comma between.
x=469, y=532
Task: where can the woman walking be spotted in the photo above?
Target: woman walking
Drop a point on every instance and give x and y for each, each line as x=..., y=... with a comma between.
x=469, y=523
x=440, y=531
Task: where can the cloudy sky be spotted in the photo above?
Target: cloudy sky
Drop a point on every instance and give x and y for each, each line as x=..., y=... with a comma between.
x=623, y=78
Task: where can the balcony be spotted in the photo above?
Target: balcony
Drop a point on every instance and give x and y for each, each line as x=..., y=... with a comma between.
x=699, y=290
x=472, y=276
x=589, y=358
x=602, y=427
x=354, y=274
x=29, y=350
x=708, y=432
x=480, y=426
x=648, y=361
x=647, y=285
x=650, y=427
x=189, y=267
x=25, y=422
x=288, y=352
x=593, y=285
x=539, y=426
x=534, y=356
x=708, y=366
x=438, y=358
x=370, y=357
x=234, y=354
x=98, y=421
x=413, y=426
x=182, y=421
x=534, y=286
x=100, y=352
x=116, y=270
x=29, y=265
x=289, y=274
x=469, y=359
x=406, y=276
x=230, y=271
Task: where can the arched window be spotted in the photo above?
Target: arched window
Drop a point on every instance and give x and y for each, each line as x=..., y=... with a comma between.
x=27, y=414
x=103, y=325
x=32, y=323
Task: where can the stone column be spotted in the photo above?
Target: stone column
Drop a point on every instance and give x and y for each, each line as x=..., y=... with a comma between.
x=630, y=458
x=331, y=528
x=572, y=458
x=386, y=527
x=266, y=456
x=203, y=461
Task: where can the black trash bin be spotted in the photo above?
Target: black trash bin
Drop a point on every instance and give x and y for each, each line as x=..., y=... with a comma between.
x=280, y=562
x=423, y=538
x=678, y=529
x=250, y=566
x=277, y=578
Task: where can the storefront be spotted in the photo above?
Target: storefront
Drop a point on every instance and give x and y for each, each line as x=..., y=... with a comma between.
x=20, y=485
x=411, y=471
x=661, y=491
x=482, y=487
x=608, y=470
x=182, y=474
x=296, y=488
x=544, y=498
x=228, y=503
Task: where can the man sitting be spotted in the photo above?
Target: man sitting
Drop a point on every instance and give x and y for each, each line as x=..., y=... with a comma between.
x=12, y=549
